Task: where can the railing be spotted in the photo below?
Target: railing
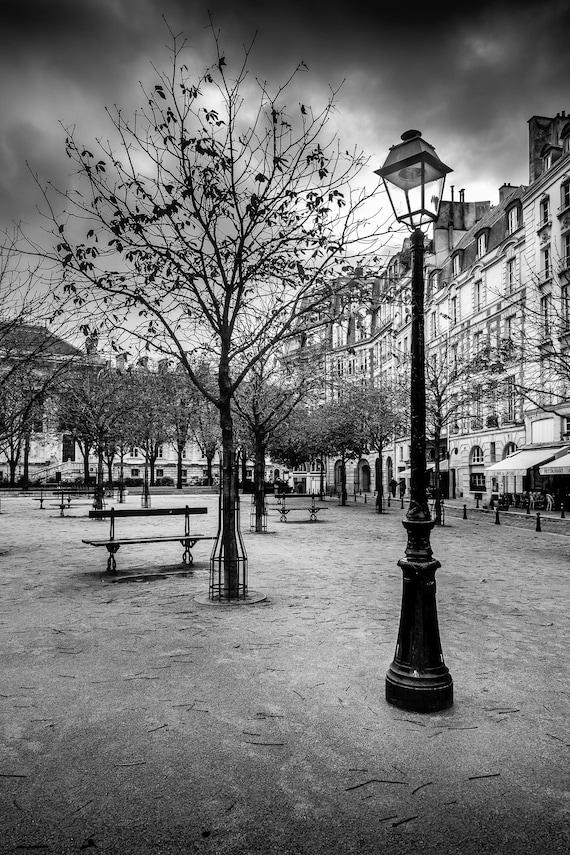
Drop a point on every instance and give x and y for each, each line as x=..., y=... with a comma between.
x=48, y=473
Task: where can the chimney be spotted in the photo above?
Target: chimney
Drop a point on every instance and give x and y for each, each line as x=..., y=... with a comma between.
x=91, y=343
x=505, y=191
x=462, y=195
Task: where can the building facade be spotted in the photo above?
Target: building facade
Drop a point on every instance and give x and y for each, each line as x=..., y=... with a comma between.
x=497, y=330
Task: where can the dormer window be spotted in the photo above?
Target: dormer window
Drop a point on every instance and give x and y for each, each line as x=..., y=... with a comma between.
x=482, y=241
x=550, y=154
x=457, y=263
x=513, y=219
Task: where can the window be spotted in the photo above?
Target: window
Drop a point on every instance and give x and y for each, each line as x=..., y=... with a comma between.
x=477, y=457
x=433, y=324
x=544, y=210
x=135, y=473
x=160, y=454
x=477, y=294
x=512, y=219
x=477, y=481
x=457, y=263
x=546, y=313
x=565, y=261
x=545, y=264
x=160, y=473
x=511, y=275
x=453, y=310
x=433, y=281
x=481, y=244
x=134, y=452
x=184, y=453
x=477, y=342
x=565, y=305
x=510, y=399
x=565, y=195
x=477, y=406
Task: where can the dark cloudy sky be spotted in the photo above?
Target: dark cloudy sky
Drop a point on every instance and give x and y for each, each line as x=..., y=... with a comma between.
x=469, y=76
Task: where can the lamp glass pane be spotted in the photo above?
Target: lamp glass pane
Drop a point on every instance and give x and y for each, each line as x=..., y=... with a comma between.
x=415, y=203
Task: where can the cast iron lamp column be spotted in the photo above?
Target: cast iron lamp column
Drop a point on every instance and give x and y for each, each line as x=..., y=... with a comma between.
x=418, y=679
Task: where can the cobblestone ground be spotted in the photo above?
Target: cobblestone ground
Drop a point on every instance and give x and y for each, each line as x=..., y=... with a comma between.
x=136, y=719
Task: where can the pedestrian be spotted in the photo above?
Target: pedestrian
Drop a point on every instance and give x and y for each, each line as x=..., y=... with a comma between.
x=402, y=488
x=549, y=501
x=393, y=486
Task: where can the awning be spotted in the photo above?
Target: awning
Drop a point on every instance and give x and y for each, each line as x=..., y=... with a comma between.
x=521, y=461
x=559, y=466
x=443, y=465
x=407, y=473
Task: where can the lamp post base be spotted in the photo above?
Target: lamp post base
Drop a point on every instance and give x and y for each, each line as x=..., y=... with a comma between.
x=418, y=679
x=419, y=692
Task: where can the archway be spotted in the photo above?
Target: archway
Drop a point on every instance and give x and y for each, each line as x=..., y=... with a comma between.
x=364, y=475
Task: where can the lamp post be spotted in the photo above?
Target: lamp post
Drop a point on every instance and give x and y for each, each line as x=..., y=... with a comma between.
x=418, y=678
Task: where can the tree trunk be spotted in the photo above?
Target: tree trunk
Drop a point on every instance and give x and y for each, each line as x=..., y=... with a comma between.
x=437, y=507
x=259, y=481
x=230, y=554
x=179, y=468
x=379, y=488
x=84, y=449
x=343, y=492
x=99, y=489
x=209, y=458
x=26, y=475
x=12, y=463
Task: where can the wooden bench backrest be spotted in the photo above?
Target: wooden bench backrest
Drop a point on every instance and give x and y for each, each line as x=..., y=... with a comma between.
x=296, y=495
x=145, y=512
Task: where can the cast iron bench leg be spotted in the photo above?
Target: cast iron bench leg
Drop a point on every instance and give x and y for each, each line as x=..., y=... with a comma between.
x=111, y=563
x=187, y=555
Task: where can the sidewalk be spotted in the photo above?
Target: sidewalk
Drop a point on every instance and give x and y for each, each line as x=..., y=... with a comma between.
x=137, y=720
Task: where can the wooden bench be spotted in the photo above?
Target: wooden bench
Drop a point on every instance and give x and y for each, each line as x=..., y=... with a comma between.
x=112, y=543
x=285, y=507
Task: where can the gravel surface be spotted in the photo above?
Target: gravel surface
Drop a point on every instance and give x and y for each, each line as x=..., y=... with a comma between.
x=136, y=719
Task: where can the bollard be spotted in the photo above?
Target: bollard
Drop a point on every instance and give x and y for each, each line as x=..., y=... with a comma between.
x=464, y=512
x=528, y=509
x=497, y=520
x=388, y=500
x=365, y=502
x=402, y=503
x=355, y=495
x=562, y=514
x=538, y=528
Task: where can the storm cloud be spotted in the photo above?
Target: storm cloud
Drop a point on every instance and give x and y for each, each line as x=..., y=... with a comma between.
x=469, y=80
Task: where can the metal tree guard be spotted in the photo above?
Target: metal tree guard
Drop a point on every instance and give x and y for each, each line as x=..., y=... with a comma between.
x=217, y=591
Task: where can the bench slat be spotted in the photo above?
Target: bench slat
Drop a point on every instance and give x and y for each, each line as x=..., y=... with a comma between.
x=145, y=512
x=161, y=539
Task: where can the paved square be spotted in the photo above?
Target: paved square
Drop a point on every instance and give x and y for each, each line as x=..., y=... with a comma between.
x=137, y=720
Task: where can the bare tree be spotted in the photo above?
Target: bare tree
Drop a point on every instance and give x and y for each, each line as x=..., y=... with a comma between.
x=223, y=219
x=264, y=402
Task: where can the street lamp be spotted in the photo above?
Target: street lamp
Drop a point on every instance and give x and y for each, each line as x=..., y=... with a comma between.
x=418, y=678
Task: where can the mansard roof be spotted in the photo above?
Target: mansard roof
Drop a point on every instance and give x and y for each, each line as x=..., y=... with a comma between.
x=18, y=338
x=494, y=222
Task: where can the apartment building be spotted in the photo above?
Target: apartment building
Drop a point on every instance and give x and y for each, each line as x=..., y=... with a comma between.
x=497, y=329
